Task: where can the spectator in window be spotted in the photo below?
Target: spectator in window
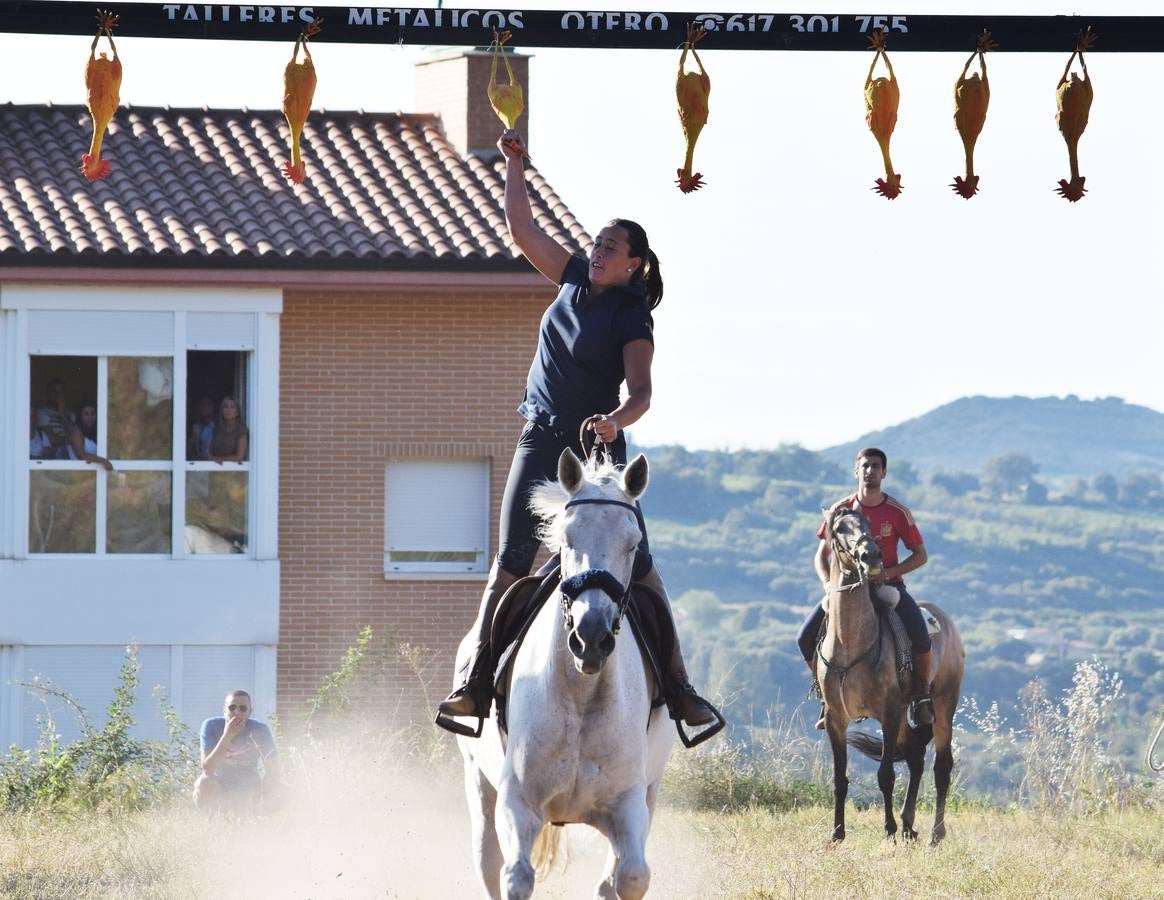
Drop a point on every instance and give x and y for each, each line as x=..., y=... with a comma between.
x=83, y=438
x=229, y=443
x=239, y=764
x=55, y=433
x=202, y=430
x=56, y=412
x=39, y=445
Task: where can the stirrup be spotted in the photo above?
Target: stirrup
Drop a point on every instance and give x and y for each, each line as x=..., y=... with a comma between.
x=715, y=726
x=915, y=705
x=448, y=723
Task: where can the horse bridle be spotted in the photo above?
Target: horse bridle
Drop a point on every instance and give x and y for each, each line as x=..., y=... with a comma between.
x=875, y=647
x=843, y=553
x=596, y=578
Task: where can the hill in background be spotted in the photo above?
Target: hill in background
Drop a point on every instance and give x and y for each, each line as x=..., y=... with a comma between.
x=1064, y=436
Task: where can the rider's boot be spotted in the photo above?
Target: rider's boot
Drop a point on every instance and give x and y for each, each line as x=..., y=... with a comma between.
x=682, y=701
x=474, y=695
x=921, y=707
x=820, y=720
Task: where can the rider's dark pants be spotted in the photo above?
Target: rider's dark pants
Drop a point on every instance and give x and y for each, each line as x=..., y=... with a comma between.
x=536, y=459
x=907, y=609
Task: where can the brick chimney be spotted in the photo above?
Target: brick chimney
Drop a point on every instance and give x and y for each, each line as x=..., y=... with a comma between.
x=453, y=85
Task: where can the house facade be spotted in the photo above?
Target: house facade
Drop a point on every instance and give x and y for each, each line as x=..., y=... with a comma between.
x=372, y=326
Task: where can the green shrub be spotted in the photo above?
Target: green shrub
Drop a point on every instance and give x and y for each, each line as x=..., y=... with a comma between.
x=104, y=768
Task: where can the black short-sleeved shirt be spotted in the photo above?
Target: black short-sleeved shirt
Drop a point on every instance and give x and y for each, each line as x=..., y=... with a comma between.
x=578, y=368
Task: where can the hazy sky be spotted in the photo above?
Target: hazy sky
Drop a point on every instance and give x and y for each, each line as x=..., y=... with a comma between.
x=800, y=306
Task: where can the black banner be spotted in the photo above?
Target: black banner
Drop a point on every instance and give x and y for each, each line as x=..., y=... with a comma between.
x=583, y=28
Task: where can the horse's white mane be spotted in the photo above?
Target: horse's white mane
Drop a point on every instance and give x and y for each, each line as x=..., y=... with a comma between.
x=548, y=498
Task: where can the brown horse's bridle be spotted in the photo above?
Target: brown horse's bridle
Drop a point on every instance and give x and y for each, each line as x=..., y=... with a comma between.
x=843, y=553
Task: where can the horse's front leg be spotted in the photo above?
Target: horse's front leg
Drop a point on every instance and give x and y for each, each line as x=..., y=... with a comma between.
x=916, y=760
x=519, y=825
x=627, y=874
x=836, y=732
x=482, y=799
x=886, y=775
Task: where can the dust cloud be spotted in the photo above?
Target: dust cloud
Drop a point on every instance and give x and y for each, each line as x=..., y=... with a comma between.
x=352, y=826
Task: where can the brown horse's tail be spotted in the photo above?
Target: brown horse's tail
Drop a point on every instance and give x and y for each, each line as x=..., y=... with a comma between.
x=917, y=739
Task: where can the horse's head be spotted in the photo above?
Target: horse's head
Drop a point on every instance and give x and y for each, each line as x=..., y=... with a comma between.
x=852, y=543
x=593, y=525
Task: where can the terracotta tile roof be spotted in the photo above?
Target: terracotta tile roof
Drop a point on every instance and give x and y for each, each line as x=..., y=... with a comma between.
x=203, y=188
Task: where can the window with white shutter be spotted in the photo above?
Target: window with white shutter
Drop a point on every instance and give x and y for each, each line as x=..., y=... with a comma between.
x=436, y=516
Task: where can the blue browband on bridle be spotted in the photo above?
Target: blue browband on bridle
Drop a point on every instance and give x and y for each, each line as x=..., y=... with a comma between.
x=596, y=578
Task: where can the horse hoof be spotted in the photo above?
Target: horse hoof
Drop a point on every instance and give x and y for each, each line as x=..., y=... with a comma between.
x=908, y=834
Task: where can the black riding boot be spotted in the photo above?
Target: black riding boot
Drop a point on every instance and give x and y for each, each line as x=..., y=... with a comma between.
x=474, y=695
x=682, y=701
x=921, y=707
x=820, y=718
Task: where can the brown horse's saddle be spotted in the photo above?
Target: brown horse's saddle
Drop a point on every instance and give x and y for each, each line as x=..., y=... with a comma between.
x=524, y=600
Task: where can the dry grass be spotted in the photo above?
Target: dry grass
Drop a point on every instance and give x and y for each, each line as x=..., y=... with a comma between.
x=354, y=830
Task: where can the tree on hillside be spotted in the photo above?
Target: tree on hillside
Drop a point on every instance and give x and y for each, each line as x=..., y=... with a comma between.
x=955, y=484
x=1106, y=486
x=904, y=474
x=1008, y=473
x=1140, y=490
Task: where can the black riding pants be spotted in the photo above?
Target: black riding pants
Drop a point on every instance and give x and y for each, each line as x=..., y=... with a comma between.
x=907, y=609
x=536, y=459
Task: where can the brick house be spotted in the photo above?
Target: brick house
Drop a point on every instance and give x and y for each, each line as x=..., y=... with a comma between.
x=375, y=325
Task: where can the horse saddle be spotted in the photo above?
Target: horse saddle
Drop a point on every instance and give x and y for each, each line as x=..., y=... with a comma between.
x=520, y=606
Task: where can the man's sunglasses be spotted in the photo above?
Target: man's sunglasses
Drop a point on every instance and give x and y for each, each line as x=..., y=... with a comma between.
x=237, y=707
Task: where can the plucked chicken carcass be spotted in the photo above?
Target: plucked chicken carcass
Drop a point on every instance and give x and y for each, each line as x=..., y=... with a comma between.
x=298, y=90
x=103, y=83
x=971, y=100
x=507, y=100
x=692, y=90
x=882, y=97
x=1073, y=97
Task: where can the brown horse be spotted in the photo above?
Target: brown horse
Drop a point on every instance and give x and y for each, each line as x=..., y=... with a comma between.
x=857, y=672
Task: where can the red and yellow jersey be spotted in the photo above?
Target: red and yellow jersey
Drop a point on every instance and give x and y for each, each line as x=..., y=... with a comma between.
x=890, y=521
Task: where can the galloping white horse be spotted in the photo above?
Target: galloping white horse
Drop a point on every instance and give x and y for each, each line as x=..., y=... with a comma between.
x=584, y=744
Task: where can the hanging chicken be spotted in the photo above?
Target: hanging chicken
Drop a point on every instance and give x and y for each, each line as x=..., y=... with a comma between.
x=298, y=91
x=1073, y=98
x=103, y=83
x=882, y=97
x=971, y=99
x=692, y=91
x=507, y=100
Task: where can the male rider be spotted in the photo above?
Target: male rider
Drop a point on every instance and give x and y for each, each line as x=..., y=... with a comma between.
x=890, y=521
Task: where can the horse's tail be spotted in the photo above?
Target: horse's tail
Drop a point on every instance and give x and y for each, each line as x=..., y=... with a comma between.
x=547, y=849
x=916, y=739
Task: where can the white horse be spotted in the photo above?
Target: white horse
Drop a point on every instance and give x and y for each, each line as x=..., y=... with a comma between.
x=583, y=743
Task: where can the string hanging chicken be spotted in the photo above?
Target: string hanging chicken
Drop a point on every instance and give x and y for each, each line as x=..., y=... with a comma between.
x=298, y=90
x=103, y=84
x=882, y=97
x=971, y=100
x=692, y=90
x=1073, y=98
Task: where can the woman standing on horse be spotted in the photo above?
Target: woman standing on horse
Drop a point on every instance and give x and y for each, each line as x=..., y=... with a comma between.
x=596, y=334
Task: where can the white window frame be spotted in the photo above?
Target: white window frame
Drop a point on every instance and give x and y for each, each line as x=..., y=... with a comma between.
x=259, y=341
x=478, y=520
